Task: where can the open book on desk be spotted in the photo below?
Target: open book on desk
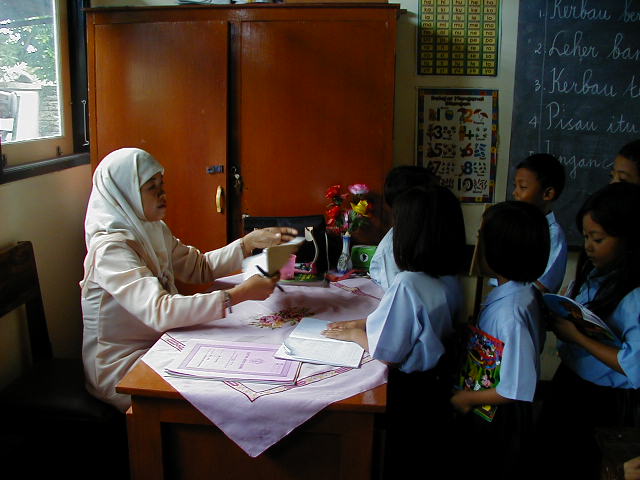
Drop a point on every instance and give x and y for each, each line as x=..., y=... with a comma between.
x=233, y=361
x=307, y=344
x=586, y=321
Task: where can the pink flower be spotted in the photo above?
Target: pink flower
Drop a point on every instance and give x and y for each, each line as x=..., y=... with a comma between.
x=358, y=189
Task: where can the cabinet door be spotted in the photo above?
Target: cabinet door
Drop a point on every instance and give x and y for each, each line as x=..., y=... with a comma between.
x=162, y=87
x=316, y=109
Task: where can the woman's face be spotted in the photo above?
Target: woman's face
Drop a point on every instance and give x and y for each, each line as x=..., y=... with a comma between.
x=154, y=198
x=601, y=248
x=624, y=170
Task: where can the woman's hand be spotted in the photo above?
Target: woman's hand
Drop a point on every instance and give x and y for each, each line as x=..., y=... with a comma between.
x=267, y=237
x=256, y=287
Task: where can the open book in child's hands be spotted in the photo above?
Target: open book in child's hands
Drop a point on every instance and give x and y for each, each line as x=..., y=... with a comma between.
x=586, y=321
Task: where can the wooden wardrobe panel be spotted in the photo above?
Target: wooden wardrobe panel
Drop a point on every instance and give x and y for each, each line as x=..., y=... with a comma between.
x=315, y=109
x=162, y=87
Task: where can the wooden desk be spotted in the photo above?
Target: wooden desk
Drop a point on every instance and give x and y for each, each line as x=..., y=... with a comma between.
x=169, y=438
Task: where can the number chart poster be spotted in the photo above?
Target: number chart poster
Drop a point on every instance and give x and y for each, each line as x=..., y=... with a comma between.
x=457, y=140
x=458, y=37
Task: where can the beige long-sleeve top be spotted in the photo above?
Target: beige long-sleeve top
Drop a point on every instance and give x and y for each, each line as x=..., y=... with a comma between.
x=126, y=308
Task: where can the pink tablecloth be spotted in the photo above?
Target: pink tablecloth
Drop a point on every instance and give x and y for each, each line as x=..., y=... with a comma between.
x=255, y=416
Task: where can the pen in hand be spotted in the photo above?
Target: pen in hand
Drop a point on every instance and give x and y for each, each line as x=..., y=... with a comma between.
x=269, y=276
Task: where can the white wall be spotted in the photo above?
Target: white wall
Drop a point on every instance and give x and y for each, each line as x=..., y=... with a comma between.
x=47, y=210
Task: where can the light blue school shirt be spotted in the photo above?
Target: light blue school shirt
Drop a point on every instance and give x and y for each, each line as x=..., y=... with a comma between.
x=383, y=268
x=511, y=313
x=415, y=314
x=557, y=263
x=625, y=323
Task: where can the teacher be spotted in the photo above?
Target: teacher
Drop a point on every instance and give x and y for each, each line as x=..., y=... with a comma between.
x=129, y=297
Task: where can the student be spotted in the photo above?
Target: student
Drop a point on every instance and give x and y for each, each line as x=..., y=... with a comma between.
x=597, y=382
x=539, y=181
x=626, y=166
x=410, y=328
x=129, y=297
x=514, y=248
x=383, y=268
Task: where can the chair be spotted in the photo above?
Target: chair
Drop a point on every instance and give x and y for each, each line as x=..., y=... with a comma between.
x=47, y=411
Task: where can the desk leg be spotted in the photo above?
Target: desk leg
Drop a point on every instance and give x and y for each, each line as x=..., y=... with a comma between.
x=145, y=440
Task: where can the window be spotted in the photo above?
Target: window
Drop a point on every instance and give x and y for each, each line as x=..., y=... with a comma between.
x=35, y=94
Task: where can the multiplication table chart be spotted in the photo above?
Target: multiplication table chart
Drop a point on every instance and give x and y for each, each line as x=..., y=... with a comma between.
x=458, y=37
x=457, y=139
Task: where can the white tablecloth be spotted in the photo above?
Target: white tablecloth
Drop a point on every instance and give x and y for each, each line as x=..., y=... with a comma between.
x=255, y=416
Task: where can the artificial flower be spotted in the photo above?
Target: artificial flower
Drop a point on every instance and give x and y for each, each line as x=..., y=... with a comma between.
x=361, y=208
x=333, y=212
x=359, y=189
x=346, y=215
x=333, y=191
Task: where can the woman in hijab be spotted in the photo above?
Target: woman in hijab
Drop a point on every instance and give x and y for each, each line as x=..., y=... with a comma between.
x=129, y=297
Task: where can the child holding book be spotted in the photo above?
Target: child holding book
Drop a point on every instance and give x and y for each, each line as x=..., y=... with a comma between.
x=626, y=166
x=597, y=382
x=383, y=268
x=539, y=181
x=514, y=248
x=410, y=327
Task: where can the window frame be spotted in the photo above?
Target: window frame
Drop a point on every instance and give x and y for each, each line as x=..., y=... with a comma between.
x=36, y=157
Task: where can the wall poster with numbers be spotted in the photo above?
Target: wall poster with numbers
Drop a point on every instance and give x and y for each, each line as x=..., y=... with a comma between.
x=457, y=139
x=458, y=37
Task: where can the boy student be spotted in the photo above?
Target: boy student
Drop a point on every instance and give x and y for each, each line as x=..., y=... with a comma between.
x=539, y=181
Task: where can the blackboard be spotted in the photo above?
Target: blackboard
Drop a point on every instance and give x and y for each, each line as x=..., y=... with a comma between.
x=577, y=92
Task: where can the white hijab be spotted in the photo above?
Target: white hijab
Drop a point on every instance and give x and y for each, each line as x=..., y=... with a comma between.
x=115, y=212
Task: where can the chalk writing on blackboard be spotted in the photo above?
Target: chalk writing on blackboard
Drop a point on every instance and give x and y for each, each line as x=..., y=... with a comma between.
x=577, y=91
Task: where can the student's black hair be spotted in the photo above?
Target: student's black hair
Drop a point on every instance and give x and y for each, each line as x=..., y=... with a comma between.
x=403, y=177
x=615, y=208
x=428, y=231
x=632, y=151
x=515, y=240
x=548, y=169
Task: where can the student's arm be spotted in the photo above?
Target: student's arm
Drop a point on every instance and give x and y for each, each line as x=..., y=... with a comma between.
x=465, y=400
x=567, y=331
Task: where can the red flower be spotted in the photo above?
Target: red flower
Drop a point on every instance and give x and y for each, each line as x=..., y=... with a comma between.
x=333, y=191
x=333, y=212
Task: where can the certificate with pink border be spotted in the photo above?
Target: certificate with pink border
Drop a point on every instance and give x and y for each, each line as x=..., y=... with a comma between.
x=234, y=361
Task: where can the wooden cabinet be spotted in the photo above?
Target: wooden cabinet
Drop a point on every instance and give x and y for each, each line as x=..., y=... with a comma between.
x=292, y=98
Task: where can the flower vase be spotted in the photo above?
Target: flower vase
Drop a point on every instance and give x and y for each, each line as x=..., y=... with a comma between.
x=344, y=261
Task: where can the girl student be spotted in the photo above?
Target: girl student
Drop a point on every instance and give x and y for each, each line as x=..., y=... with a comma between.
x=597, y=382
x=410, y=327
x=626, y=165
x=514, y=248
x=129, y=296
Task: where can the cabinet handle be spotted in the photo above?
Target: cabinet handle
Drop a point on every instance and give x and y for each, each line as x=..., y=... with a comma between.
x=219, y=195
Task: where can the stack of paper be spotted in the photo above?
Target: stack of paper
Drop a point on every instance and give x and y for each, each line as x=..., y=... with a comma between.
x=234, y=361
x=307, y=344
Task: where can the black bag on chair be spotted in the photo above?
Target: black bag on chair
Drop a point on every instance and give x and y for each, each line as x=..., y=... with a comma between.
x=312, y=227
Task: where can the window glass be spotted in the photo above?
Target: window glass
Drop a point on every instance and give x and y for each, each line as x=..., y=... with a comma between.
x=31, y=77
